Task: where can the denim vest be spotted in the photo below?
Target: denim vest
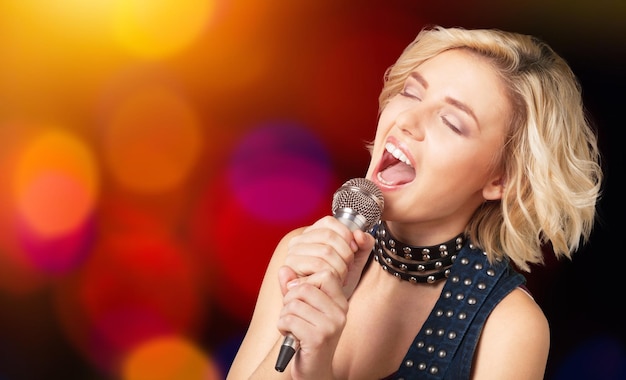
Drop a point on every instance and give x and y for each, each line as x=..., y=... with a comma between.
x=444, y=347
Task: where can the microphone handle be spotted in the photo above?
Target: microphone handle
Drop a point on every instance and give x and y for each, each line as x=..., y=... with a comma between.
x=287, y=350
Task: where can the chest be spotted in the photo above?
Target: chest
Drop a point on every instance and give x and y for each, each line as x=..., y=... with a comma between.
x=383, y=319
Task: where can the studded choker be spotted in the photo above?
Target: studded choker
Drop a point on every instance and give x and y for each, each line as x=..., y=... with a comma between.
x=415, y=264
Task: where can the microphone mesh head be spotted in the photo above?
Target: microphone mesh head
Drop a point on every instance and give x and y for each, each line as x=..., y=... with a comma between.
x=361, y=196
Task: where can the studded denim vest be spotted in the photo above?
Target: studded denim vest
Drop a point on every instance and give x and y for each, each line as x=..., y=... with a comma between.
x=444, y=348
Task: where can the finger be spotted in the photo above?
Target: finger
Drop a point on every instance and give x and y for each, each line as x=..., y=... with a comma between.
x=365, y=242
x=316, y=289
x=310, y=258
x=313, y=307
x=285, y=274
x=321, y=249
x=332, y=223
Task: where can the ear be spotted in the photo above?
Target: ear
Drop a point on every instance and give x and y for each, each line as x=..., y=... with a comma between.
x=494, y=189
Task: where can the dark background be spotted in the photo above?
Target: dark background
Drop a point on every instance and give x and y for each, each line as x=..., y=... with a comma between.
x=193, y=134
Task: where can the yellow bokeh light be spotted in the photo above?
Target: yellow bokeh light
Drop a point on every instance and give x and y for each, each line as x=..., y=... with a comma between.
x=157, y=28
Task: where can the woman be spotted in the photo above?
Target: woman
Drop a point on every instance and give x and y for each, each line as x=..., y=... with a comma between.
x=482, y=143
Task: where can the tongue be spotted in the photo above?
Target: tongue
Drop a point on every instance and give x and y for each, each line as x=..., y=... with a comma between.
x=398, y=174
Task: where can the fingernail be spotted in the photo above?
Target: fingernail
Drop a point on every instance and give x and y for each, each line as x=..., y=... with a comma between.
x=292, y=283
x=354, y=246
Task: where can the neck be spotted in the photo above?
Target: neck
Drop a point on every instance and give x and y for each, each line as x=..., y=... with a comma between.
x=423, y=234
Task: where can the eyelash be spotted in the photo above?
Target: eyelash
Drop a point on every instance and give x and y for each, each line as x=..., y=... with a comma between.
x=407, y=95
x=453, y=127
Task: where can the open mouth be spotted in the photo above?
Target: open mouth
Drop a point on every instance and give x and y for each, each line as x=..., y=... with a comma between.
x=396, y=169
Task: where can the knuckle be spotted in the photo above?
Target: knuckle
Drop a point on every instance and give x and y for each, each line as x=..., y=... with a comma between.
x=326, y=251
x=327, y=275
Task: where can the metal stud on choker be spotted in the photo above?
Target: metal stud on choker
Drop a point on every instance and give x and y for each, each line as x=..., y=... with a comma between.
x=398, y=259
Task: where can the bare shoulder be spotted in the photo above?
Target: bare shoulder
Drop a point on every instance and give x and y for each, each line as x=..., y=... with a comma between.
x=515, y=340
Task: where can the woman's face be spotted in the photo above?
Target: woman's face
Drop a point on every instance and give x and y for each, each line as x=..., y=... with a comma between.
x=436, y=142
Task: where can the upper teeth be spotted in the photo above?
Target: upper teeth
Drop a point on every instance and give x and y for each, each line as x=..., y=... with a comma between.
x=397, y=153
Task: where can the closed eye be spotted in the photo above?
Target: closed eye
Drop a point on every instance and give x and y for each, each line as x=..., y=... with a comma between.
x=413, y=86
x=408, y=94
x=453, y=127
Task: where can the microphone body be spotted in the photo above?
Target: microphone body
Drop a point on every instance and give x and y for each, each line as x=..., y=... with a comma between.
x=358, y=204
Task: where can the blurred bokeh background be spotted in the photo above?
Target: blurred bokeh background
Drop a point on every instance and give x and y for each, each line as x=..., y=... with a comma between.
x=152, y=153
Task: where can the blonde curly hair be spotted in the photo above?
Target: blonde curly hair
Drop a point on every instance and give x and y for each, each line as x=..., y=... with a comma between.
x=550, y=157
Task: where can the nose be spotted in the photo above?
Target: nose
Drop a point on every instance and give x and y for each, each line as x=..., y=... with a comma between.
x=411, y=123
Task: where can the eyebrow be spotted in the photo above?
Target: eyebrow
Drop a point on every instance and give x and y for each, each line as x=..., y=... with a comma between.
x=463, y=107
x=415, y=75
x=454, y=102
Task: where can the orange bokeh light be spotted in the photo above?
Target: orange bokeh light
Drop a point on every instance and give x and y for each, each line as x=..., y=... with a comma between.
x=56, y=183
x=169, y=357
x=152, y=141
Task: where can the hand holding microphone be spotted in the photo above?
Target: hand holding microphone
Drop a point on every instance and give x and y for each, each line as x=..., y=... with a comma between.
x=357, y=204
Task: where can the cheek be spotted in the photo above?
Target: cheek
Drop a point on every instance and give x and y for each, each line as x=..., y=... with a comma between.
x=385, y=122
x=467, y=166
x=382, y=130
x=376, y=150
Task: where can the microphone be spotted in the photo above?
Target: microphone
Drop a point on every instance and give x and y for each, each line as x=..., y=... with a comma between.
x=358, y=204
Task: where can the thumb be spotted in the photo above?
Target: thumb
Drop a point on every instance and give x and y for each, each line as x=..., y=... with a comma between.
x=365, y=242
x=285, y=274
